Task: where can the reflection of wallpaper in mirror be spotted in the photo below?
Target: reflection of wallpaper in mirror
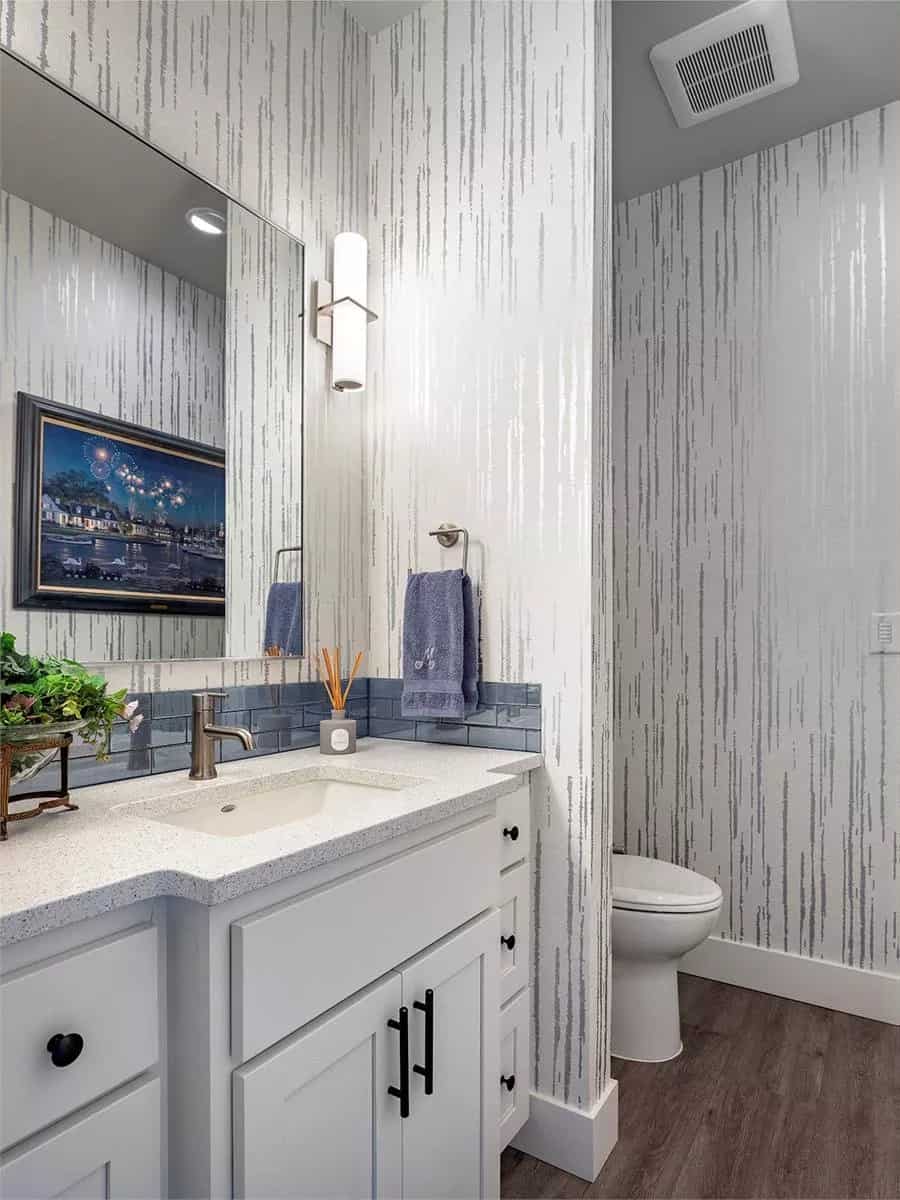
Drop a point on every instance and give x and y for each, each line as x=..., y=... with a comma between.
x=264, y=421
x=91, y=325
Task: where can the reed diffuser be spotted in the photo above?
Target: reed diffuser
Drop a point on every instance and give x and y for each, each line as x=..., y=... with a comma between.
x=337, y=736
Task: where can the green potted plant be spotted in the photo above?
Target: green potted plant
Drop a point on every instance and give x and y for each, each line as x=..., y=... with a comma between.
x=43, y=697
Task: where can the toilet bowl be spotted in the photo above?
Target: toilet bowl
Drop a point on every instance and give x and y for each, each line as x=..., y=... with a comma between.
x=660, y=911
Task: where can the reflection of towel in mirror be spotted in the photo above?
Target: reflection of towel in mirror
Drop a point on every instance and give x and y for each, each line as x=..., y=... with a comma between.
x=284, y=618
x=440, y=646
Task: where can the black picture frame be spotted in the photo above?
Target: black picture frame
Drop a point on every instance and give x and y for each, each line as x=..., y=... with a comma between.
x=105, y=587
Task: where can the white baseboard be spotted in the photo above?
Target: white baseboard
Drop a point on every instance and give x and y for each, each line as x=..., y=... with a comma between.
x=576, y=1140
x=872, y=994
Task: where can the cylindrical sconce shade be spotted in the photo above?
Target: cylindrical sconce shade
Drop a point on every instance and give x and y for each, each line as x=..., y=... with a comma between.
x=348, y=338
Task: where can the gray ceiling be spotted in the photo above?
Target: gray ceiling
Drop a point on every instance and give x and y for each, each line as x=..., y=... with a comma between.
x=375, y=15
x=848, y=53
x=65, y=158
x=62, y=156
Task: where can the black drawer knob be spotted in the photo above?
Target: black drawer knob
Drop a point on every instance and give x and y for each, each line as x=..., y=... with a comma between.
x=64, y=1048
x=508, y=942
x=512, y=832
x=509, y=1081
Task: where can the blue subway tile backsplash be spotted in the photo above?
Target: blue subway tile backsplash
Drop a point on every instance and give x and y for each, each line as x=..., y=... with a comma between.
x=497, y=739
x=508, y=717
x=286, y=717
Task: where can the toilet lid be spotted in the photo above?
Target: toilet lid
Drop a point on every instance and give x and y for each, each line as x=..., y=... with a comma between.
x=656, y=886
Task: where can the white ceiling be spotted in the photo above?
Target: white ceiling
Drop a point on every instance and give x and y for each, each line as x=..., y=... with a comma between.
x=848, y=54
x=67, y=159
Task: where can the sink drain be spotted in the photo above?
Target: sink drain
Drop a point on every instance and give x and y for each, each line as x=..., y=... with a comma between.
x=228, y=808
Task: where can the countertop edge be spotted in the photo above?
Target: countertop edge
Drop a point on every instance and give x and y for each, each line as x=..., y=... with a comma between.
x=166, y=883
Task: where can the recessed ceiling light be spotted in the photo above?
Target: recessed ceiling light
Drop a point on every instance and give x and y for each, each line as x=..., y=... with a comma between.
x=206, y=220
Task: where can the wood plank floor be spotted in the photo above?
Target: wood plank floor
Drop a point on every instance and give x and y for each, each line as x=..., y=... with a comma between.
x=770, y=1098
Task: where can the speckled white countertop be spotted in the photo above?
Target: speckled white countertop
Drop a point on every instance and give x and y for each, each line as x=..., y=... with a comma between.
x=64, y=867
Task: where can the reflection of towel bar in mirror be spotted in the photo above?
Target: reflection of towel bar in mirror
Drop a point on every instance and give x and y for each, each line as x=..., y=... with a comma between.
x=278, y=554
x=448, y=535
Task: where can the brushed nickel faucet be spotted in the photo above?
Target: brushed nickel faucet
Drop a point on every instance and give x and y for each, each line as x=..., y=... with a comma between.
x=205, y=733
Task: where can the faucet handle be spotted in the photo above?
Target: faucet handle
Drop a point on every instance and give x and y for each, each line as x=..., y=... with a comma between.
x=205, y=701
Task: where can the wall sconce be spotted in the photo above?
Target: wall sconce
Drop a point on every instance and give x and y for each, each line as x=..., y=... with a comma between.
x=341, y=323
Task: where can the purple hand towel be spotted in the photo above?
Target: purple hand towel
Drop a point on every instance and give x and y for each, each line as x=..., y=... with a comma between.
x=440, y=646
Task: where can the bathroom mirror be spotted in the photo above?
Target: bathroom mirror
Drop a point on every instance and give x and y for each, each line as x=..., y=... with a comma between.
x=151, y=409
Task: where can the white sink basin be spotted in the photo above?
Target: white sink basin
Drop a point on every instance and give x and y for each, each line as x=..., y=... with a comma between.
x=235, y=809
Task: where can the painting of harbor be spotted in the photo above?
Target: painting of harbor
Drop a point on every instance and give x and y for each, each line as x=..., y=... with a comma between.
x=125, y=517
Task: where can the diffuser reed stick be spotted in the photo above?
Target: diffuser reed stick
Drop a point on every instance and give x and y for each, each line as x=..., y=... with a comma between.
x=331, y=676
x=359, y=658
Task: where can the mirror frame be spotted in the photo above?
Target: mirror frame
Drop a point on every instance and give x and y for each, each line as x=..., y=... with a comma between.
x=147, y=674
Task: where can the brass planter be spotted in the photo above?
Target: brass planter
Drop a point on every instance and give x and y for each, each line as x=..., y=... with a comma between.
x=39, y=746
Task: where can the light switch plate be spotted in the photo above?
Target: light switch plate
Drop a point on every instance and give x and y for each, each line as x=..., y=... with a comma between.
x=885, y=634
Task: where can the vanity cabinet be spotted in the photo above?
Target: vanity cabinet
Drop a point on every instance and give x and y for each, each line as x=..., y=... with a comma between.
x=313, y=1117
x=97, y=1006
x=514, y=833
x=384, y=1096
x=110, y=1151
x=360, y=1028
x=80, y=1090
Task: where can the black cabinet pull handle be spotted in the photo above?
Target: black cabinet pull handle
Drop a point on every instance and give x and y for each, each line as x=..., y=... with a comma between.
x=508, y=942
x=512, y=833
x=64, y=1048
x=428, y=1070
x=402, y=1092
x=509, y=1080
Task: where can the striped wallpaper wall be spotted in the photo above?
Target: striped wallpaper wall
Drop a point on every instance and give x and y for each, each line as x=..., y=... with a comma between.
x=264, y=421
x=486, y=204
x=757, y=527
x=487, y=407
x=268, y=100
x=88, y=324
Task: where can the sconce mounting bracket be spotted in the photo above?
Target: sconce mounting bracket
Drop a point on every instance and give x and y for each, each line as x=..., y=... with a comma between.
x=325, y=306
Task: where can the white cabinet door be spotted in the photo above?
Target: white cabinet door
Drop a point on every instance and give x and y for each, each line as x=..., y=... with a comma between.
x=313, y=1117
x=112, y=1152
x=450, y=1140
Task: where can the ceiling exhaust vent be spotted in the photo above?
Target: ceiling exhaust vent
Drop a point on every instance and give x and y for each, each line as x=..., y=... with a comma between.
x=732, y=59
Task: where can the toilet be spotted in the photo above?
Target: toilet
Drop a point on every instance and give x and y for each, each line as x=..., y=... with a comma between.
x=660, y=912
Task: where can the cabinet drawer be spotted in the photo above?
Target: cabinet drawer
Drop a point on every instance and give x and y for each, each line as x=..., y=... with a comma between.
x=112, y=1150
x=292, y=962
x=514, y=826
x=105, y=992
x=515, y=927
x=515, y=1066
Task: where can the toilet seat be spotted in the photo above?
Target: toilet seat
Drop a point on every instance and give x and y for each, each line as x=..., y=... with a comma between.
x=651, y=885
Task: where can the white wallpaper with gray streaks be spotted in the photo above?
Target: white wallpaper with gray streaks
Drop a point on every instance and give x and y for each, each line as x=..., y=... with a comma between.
x=482, y=411
x=268, y=101
x=757, y=521
x=88, y=324
x=264, y=421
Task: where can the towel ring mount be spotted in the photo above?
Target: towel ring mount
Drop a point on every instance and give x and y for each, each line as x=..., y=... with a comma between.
x=278, y=554
x=447, y=535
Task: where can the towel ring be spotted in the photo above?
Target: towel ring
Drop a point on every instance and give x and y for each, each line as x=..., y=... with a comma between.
x=278, y=554
x=448, y=535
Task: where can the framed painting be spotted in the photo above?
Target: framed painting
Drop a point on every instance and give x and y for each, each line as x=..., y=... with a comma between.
x=112, y=517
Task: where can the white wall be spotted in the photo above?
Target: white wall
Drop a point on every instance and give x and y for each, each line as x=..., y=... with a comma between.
x=269, y=101
x=757, y=520
x=487, y=407
x=82, y=321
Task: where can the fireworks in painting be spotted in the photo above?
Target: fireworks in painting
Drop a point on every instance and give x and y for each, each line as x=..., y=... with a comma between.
x=124, y=516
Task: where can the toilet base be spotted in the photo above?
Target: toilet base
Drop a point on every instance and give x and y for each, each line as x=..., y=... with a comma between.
x=645, y=1021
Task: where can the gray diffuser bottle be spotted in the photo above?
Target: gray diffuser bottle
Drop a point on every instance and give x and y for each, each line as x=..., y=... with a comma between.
x=337, y=736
